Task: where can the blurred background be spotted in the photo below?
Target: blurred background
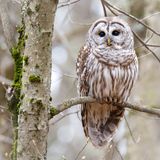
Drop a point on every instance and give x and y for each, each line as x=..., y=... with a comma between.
x=138, y=136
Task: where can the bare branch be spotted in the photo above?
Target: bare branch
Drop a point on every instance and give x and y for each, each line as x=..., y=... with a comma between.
x=130, y=131
x=149, y=16
x=82, y=150
x=63, y=116
x=113, y=12
x=67, y=4
x=79, y=100
x=131, y=16
x=153, y=45
x=104, y=9
x=146, y=46
x=145, y=41
x=74, y=101
x=109, y=6
x=119, y=153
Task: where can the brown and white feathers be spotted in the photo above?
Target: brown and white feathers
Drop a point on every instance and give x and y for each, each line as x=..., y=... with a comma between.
x=107, y=68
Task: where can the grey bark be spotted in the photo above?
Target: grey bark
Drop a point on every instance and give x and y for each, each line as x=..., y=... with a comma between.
x=33, y=128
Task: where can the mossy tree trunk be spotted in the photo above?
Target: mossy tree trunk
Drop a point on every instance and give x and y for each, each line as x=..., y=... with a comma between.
x=38, y=17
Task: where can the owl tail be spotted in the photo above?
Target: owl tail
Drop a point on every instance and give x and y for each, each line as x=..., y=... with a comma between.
x=100, y=122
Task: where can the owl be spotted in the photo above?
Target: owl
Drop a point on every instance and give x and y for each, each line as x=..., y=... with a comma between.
x=107, y=68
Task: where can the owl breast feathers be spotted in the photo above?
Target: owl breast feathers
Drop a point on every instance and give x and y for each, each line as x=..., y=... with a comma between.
x=107, y=68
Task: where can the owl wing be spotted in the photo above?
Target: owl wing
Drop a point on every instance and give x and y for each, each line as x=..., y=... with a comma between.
x=83, y=87
x=99, y=120
x=82, y=70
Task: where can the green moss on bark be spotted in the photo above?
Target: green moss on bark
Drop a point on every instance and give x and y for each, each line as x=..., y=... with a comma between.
x=15, y=101
x=36, y=66
x=25, y=59
x=37, y=7
x=38, y=102
x=29, y=11
x=53, y=112
x=16, y=52
x=34, y=78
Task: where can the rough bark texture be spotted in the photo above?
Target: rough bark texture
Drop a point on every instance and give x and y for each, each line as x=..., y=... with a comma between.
x=38, y=16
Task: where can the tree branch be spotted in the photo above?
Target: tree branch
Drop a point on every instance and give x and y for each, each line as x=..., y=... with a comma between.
x=146, y=46
x=110, y=7
x=79, y=100
x=104, y=9
x=132, y=17
x=63, y=116
x=67, y=4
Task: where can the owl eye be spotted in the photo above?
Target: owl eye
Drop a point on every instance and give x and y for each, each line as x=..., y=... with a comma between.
x=101, y=33
x=115, y=33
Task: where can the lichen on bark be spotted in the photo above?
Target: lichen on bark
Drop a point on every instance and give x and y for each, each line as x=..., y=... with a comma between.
x=34, y=78
x=26, y=60
x=17, y=55
x=53, y=112
x=15, y=97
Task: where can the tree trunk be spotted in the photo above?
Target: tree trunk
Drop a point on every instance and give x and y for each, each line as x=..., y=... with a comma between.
x=38, y=17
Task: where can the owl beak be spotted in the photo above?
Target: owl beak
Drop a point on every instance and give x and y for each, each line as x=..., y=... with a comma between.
x=109, y=42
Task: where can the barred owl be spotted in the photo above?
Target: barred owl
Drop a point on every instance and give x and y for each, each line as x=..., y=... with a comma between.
x=107, y=69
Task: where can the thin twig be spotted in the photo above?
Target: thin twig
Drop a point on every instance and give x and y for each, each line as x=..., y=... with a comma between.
x=111, y=10
x=130, y=131
x=131, y=16
x=149, y=16
x=114, y=146
x=146, y=46
x=63, y=116
x=67, y=4
x=81, y=150
x=104, y=9
x=149, y=38
x=135, y=34
x=118, y=152
x=145, y=41
x=153, y=45
x=79, y=100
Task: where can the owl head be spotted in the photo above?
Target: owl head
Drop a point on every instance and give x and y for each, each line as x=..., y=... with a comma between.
x=111, y=33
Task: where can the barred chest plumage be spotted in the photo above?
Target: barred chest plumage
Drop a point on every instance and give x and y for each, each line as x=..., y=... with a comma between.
x=107, y=68
x=108, y=82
